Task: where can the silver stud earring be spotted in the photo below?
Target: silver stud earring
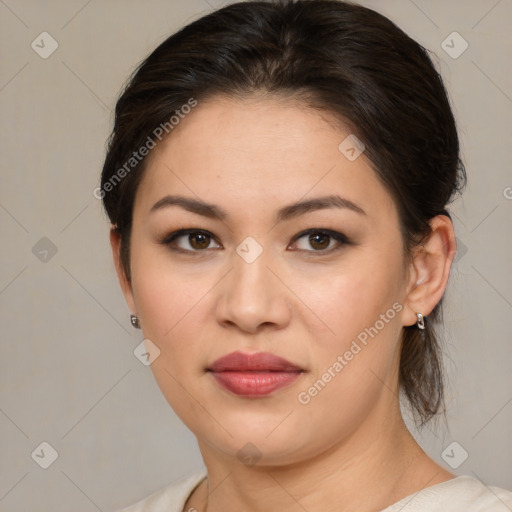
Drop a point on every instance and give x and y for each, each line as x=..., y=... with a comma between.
x=421, y=322
x=135, y=321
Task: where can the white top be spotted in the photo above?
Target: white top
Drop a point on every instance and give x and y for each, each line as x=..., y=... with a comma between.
x=460, y=494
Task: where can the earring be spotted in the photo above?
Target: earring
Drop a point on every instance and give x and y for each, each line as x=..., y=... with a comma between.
x=421, y=322
x=135, y=322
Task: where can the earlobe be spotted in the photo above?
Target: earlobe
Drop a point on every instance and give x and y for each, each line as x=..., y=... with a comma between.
x=430, y=269
x=124, y=282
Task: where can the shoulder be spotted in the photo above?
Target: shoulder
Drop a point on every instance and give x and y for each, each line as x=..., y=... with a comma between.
x=460, y=494
x=169, y=499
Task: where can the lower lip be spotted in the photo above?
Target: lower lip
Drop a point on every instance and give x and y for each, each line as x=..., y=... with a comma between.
x=254, y=383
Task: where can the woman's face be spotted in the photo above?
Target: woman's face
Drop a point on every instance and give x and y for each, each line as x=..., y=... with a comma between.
x=251, y=281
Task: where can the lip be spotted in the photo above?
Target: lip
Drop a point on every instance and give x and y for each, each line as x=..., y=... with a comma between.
x=254, y=374
x=260, y=361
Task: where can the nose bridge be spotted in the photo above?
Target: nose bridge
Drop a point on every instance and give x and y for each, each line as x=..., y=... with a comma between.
x=251, y=294
x=250, y=266
x=250, y=280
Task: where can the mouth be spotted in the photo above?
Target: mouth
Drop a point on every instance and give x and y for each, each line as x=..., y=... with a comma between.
x=253, y=375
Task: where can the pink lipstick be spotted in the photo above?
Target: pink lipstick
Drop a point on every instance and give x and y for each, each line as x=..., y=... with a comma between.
x=254, y=375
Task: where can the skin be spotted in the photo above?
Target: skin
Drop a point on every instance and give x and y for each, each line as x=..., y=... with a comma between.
x=251, y=158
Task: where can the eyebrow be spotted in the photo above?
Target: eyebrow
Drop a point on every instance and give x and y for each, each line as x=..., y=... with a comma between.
x=286, y=213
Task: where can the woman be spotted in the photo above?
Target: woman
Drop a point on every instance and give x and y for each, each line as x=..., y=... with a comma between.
x=277, y=182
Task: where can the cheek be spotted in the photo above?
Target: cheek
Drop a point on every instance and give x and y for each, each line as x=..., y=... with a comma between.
x=172, y=309
x=358, y=338
x=172, y=306
x=345, y=300
x=164, y=294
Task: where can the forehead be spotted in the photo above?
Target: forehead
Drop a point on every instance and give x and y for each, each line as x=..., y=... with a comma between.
x=246, y=152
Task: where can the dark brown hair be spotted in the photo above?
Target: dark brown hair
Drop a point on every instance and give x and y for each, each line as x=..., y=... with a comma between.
x=336, y=57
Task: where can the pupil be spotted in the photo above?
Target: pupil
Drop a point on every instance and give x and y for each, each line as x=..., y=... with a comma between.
x=199, y=240
x=319, y=239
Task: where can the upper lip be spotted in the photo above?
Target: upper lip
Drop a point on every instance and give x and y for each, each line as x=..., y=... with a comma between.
x=261, y=361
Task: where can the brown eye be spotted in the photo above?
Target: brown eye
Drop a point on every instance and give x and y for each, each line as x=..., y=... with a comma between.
x=190, y=241
x=199, y=240
x=319, y=241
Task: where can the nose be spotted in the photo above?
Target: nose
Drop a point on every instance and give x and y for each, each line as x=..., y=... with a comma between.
x=252, y=298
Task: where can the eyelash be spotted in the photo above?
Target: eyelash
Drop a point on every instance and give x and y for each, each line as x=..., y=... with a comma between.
x=340, y=238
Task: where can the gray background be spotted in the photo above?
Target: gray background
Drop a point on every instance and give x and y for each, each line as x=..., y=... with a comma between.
x=68, y=375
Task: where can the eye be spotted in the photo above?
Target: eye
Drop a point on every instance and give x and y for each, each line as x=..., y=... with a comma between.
x=324, y=240
x=190, y=240
x=195, y=240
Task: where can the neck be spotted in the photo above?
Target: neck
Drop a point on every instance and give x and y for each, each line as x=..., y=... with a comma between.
x=374, y=467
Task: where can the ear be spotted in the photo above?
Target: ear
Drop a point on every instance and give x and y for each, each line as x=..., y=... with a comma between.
x=126, y=286
x=430, y=269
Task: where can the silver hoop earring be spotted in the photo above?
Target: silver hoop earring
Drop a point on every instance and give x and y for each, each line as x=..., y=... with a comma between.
x=135, y=322
x=421, y=321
